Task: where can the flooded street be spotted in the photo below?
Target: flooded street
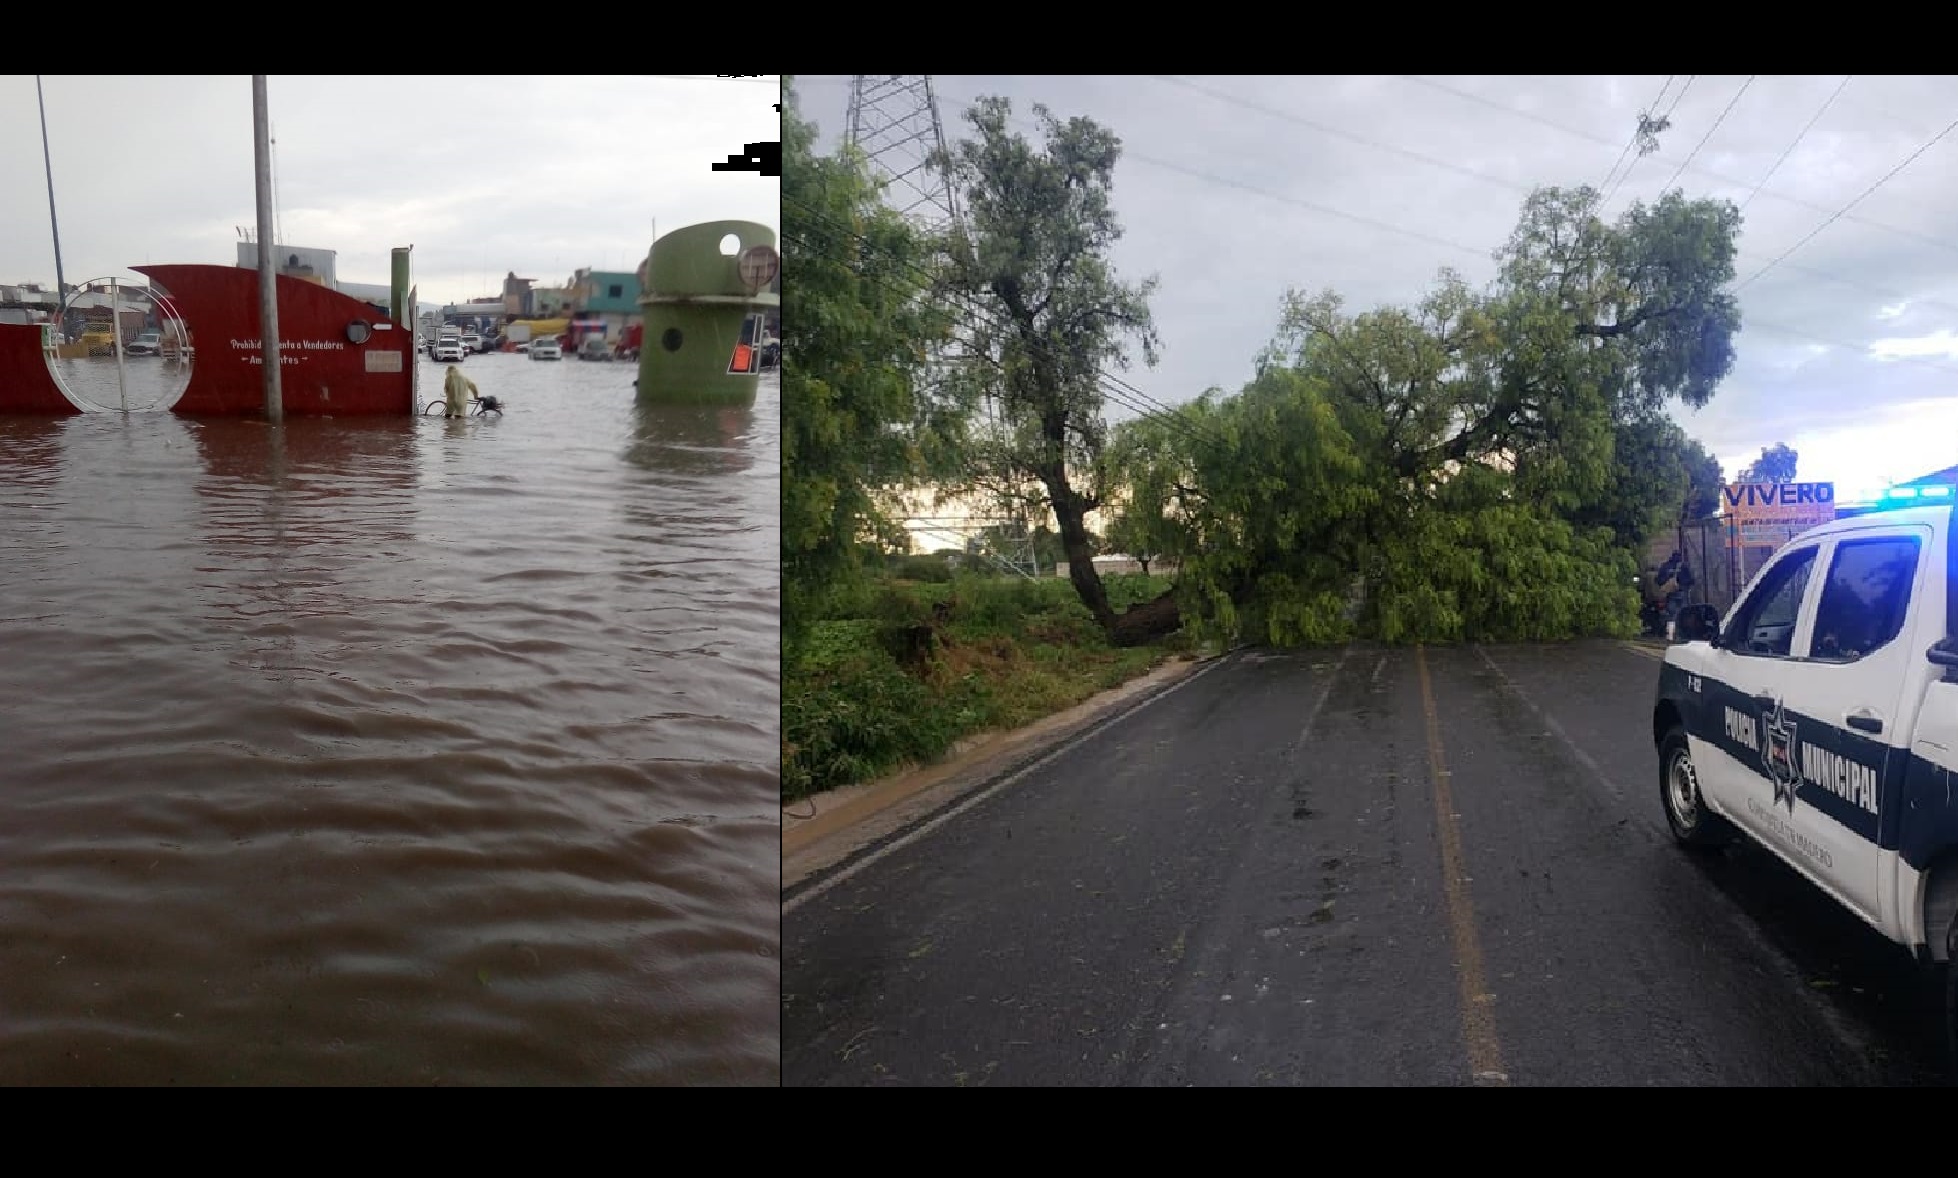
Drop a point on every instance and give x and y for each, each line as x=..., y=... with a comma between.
x=392, y=752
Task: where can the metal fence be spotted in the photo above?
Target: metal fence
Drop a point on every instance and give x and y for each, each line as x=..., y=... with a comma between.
x=1721, y=567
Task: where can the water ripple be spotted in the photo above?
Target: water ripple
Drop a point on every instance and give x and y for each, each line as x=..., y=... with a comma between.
x=408, y=752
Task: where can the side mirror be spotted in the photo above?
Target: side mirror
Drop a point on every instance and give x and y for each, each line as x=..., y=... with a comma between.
x=1698, y=623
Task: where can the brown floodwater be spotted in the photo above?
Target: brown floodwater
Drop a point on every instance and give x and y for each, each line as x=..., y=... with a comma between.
x=392, y=752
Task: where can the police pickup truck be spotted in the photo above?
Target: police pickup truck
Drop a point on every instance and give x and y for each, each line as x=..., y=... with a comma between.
x=1819, y=719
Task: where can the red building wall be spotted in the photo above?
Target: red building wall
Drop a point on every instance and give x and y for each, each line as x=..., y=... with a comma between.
x=323, y=373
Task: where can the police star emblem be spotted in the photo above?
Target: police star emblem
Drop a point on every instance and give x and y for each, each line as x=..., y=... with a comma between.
x=1778, y=755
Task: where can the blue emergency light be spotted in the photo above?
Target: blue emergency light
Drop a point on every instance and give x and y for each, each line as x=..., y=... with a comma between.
x=1913, y=495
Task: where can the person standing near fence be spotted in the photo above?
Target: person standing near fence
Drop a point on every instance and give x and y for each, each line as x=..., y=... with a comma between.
x=1675, y=579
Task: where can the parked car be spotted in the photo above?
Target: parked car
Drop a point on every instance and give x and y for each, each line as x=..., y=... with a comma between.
x=148, y=343
x=449, y=350
x=472, y=342
x=545, y=348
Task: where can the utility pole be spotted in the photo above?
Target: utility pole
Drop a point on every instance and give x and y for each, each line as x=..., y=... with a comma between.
x=60, y=284
x=268, y=275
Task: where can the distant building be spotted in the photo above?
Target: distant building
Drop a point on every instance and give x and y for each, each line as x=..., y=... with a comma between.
x=133, y=307
x=294, y=261
x=319, y=267
x=549, y=302
x=606, y=300
x=1117, y=563
x=516, y=296
x=27, y=304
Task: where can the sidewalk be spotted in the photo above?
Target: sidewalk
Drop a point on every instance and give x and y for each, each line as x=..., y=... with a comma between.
x=822, y=831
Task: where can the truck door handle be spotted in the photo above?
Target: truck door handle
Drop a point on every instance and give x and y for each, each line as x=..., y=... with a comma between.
x=1864, y=722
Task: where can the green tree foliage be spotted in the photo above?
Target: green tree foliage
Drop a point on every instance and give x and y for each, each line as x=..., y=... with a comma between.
x=1262, y=499
x=1705, y=483
x=1659, y=478
x=1047, y=550
x=1775, y=465
x=1503, y=572
x=1049, y=315
x=1587, y=326
x=1136, y=534
x=857, y=324
x=1478, y=466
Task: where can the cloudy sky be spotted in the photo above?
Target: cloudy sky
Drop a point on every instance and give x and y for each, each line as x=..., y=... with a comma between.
x=482, y=175
x=1234, y=188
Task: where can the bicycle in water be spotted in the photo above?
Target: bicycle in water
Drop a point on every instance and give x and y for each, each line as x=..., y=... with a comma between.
x=478, y=406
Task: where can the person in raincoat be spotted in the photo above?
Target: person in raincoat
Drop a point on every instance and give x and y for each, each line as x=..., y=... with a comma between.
x=458, y=389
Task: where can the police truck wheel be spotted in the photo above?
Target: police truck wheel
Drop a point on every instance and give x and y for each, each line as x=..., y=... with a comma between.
x=1693, y=825
x=1951, y=1003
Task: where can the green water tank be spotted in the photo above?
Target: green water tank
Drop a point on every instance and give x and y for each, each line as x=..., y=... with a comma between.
x=705, y=302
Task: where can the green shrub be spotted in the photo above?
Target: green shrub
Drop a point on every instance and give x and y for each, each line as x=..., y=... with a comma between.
x=928, y=569
x=854, y=714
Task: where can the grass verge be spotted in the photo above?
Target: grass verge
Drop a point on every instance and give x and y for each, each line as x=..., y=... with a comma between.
x=915, y=667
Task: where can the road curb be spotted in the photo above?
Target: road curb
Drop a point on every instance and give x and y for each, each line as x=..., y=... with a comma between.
x=847, y=822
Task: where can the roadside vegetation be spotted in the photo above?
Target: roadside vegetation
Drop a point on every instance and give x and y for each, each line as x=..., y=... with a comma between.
x=1485, y=465
x=904, y=671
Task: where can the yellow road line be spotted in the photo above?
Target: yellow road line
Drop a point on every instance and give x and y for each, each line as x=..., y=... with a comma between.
x=1478, y=1004
x=1657, y=656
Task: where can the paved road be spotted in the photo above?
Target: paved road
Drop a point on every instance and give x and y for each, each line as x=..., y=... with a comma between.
x=1364, y=867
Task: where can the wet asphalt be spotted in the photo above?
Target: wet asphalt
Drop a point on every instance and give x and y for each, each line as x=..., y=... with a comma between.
x=1368, y=866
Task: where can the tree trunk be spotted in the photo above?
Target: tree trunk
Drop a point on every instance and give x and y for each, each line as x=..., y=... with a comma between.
x=1080, y=555
x=1148, y=622
x=1071, y=513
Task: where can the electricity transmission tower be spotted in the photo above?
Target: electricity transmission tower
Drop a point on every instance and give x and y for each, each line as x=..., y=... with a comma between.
x=1005, y=543
x=894, y=122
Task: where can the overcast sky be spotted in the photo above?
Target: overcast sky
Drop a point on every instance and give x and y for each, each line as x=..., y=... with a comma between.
x=1232, y=189
x=482, y=175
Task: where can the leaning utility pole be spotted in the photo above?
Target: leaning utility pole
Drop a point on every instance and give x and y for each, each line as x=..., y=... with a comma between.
x=60, y=285
x=268, y=276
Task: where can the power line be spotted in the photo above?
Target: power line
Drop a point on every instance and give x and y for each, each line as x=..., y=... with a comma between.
x=1486, y=177
x=1778, y=329
x=1123, y=394
x=1183, y=424
x=1886, y=292
x=1790, y=149
x=1731, y=103
x=1677, y=98
x=1414, y=233
x=1632, y=142
x=1852, y=204
x=1665, y=120
x=1554, y=125
x=1327, y=210
x=1306, y=204
x=1335, y=132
